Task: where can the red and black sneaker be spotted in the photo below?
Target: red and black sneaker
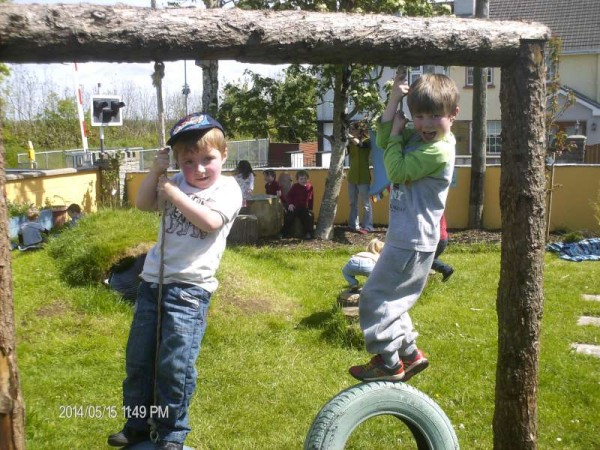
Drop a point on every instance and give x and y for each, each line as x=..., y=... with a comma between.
x=376, y=370
x=414, y=366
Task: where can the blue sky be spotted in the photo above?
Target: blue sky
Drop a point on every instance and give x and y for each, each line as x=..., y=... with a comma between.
x=111, y=75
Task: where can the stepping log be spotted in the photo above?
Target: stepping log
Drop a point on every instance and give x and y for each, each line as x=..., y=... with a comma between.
x=350, y=313
x=348, y=297
x=244, y=230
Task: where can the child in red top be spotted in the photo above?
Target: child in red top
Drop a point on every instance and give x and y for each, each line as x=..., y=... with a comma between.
x=438, y=265
x=272, y=187
x=299, y=202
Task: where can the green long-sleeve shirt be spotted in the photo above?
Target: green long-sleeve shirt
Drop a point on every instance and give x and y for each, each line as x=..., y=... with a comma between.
x=420, y=173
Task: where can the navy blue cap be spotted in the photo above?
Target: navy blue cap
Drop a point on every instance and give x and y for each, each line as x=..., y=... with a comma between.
x=193, y=122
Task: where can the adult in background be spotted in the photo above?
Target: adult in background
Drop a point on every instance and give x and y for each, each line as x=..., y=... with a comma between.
x=359, y=178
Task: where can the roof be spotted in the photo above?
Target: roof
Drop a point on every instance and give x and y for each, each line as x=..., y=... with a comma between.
x=575, y=21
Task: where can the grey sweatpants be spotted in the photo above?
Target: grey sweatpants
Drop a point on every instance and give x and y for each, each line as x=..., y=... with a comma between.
x=390, y=291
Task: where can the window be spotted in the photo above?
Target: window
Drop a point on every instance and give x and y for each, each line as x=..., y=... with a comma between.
x=494, y=141
x=490, y=76
x=415, y=72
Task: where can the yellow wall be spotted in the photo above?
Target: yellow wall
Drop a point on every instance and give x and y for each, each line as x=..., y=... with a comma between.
x=572, y=203
x=571, y=207
x=578, y=189
x=60, y=187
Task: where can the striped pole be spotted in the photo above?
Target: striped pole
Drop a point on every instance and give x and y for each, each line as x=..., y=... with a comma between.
x=79, y=98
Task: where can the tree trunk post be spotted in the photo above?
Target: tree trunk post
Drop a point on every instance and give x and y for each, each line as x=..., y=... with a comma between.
x=333, y=184
x=520, y=291
x=12, y=413
x=479, y=150
x=210, y=86
x=479, y=147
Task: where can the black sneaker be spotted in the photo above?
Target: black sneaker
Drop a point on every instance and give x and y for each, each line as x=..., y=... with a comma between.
x=447, y=275
x=164, y=445
x=128, y=436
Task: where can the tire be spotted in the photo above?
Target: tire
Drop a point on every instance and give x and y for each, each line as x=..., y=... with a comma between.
x=336, y=421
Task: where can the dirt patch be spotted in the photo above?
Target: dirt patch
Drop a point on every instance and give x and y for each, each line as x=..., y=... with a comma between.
x=343, y=237
x=249, y=305
x=52, y=310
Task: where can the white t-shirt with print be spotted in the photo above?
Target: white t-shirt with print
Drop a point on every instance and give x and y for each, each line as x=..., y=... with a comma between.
x=191, y=255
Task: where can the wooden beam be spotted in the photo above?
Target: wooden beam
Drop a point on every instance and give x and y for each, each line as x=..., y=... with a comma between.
x=36, y=33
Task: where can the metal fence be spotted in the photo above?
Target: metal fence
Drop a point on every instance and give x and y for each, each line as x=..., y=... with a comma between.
x=255, y=151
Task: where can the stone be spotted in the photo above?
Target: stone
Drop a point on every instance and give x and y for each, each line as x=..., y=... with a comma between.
x=350, y=313
x=588, y=320
x=348, y=298
x=587, y=349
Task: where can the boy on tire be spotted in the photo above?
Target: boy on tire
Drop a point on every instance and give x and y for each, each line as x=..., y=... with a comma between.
x=419, y=163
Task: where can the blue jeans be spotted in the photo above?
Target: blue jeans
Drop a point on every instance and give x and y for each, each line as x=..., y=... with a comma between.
x=184, y=310
x=357, y=266
x=354, y=192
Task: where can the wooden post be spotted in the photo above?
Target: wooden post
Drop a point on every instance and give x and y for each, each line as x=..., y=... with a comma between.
x=520, y=290
x=12, y=415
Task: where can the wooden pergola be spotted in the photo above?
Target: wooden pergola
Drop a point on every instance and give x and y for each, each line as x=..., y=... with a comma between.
x=64, y=33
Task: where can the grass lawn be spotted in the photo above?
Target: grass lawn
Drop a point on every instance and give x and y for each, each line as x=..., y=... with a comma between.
x=276, y=350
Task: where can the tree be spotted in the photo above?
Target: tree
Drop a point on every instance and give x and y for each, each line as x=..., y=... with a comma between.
x=12, y=416
x=520, y=290
x=556, y=139
x=479, y=147
x=348, y=87
x=280, y=109
x=210, y=72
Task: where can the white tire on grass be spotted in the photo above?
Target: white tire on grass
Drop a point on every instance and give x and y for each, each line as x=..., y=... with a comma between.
x=336, y=421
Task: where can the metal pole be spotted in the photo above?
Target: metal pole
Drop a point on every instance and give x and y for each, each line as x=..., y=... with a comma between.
x=79, y=100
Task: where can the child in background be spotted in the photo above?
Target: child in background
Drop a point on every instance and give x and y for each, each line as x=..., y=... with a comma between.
x=244, y=175
x=74, y=212
x=32, y=233
x=200, y=206
x=419, y=163
x=439, y=265
x=362, y=263
x=272, y=187
x=299, y=202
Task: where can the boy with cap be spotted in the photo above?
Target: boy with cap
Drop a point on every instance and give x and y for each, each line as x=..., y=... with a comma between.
x=199, y=205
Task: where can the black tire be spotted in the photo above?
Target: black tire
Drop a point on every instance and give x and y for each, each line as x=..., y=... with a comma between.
x=336, y=421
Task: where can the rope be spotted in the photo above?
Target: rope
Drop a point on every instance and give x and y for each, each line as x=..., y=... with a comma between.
x=161, y=273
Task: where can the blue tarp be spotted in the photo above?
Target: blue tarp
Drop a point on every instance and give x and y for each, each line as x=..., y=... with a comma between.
x=585, y=250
